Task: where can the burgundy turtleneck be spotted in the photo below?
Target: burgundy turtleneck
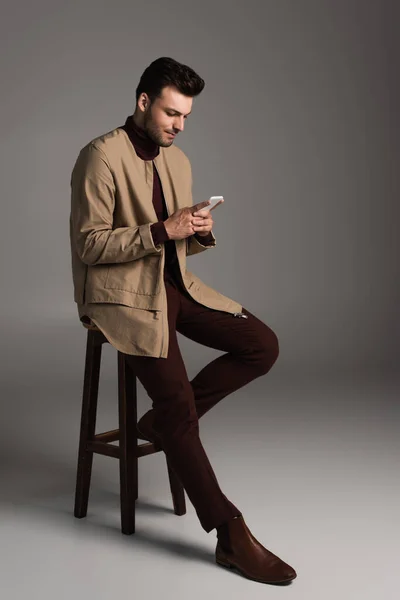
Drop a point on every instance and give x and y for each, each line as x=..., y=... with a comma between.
x=147, y=149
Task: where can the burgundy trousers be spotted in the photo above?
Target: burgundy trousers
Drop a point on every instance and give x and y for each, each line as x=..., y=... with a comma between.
x=250, y=347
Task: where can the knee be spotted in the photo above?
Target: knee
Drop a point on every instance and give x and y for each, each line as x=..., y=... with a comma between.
x=267, y=351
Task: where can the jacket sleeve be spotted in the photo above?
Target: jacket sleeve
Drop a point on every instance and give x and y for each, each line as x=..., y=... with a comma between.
x=195, y=244
x=92, y=207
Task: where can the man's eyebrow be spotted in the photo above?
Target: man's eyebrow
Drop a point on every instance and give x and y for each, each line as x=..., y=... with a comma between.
x=177, y=111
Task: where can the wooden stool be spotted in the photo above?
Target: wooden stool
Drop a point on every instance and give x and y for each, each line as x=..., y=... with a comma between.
x=128, y=451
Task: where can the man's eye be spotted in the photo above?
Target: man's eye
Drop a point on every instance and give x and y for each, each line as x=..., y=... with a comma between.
x=173, y=115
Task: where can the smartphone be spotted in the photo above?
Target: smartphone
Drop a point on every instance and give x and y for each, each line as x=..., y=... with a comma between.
x=215, y=200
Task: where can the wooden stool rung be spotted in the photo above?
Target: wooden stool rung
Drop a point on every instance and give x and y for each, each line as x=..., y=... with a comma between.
x=107, y=436
x=103, y=448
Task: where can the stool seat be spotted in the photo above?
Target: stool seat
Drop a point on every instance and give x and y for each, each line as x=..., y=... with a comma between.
x=128, y=450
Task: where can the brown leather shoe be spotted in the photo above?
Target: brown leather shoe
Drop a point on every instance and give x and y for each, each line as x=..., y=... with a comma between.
x=145, y=430
x=238, y=548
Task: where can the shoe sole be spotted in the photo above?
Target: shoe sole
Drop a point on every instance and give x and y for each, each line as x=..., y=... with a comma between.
x=233, y=567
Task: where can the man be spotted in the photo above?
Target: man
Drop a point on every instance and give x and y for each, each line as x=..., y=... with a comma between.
x=132, y=225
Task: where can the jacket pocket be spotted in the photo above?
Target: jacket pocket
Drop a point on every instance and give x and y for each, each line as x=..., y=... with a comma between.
x=139, y=276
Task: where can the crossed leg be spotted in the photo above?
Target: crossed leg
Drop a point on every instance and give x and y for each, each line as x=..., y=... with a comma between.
x=251, y=350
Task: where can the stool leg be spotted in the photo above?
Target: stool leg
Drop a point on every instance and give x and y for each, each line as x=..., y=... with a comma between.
x=88, y=423
x=128, y=460
x=177, y=491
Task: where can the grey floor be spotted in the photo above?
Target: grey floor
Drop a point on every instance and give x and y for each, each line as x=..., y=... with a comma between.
x=312, y=463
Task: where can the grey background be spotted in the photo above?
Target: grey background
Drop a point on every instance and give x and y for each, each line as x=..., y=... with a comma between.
x=298, y=128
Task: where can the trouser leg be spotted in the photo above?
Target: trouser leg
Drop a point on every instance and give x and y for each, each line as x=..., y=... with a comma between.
x=251, y=350
x=166, y=382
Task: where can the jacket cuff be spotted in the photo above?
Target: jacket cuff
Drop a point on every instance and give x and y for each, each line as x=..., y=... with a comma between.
x=206, y=240
x=159, y=233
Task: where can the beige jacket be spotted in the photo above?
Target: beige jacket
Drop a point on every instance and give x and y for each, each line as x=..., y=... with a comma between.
x=116, y=268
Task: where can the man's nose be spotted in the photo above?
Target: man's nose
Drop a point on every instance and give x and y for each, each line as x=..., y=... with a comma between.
x=179, y=123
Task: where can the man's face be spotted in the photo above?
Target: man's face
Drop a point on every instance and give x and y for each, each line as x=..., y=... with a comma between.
x=165, y=116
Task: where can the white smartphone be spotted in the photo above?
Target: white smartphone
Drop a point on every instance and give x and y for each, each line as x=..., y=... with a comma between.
x=215, y=200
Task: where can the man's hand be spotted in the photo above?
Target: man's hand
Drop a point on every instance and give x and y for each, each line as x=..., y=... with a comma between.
x=202, y=224
x=203, y=221
x=182, y=223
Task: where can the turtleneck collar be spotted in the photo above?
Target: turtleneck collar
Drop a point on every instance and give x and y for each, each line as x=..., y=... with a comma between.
x=144, y=146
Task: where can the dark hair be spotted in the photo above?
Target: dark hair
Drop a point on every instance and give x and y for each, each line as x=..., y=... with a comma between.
x=164, y=72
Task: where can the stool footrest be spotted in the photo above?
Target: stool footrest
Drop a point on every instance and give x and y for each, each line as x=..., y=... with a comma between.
x=103, y=448
x=147, y=448
x=99, y=445
x=107, y=436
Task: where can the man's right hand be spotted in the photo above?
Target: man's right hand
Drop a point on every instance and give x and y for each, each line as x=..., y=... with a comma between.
x=179, y=225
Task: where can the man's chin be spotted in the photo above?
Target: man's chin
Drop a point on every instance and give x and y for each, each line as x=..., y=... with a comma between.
x=166, y=143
